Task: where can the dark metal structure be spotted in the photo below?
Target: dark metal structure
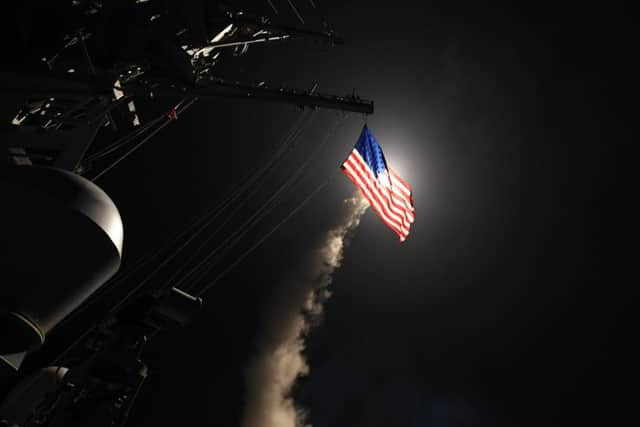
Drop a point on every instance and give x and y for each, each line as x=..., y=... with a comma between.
x=65, y=236
x=64, y=233
x=101, y=389
x=104, y=67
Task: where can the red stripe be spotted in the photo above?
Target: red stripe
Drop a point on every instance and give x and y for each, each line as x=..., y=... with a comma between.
x=401, y=194
x=404, y=205
x=400, y=203
x=367, y=181
x=373, y=203
x=364, y=166
x=369, y=177
x=374, y=194
x=399, y=218
x=399, y=191
x=394, y=204
x=407, y=188
x=399, y=210
x=403, y=190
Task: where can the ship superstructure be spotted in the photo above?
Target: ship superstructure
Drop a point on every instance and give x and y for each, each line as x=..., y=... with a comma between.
x=65, y=233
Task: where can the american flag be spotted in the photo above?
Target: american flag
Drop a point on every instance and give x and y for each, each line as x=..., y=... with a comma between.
x=387, y=193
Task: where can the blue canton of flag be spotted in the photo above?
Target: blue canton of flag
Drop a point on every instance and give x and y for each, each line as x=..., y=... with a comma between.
x=388, y=194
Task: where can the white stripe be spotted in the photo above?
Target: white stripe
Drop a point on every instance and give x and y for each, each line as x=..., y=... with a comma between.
x=372, y=184
x=353, y=167
x=400, y=186
x=390, y=222
x=384, y=192
x=395, y=179
x=403, y=216
x=397, y=197
x=401, y=191
x=365, y=188
x=404, y=202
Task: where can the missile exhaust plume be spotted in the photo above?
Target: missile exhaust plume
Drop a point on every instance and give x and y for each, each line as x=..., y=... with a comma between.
x=296, y=307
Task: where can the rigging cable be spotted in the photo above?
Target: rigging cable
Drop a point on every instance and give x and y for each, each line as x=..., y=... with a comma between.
x=208, y=262
x=272, y=6
x=263, y=238
x=289, y=140
x=229, y=268
x=254, y=190
x=182, y=106
x=293, y=7
x=240, y=231
x=199, y=224
x=200, y=229
x=124, y=140
x=264, y=210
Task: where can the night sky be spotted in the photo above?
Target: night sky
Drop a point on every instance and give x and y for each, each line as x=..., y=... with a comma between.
x=496, y=310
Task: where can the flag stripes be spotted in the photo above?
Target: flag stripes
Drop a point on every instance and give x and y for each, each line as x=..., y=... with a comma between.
x=395, y=210
x=393, y=205
x=389, y=195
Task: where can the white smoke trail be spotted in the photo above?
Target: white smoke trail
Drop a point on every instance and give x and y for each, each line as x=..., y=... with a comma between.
x=296, y=307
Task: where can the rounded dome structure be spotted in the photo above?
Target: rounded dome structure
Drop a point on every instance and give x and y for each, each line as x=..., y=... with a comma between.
x=62, y=240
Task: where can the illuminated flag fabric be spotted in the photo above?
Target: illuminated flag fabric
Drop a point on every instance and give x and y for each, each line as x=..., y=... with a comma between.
x=387, y=193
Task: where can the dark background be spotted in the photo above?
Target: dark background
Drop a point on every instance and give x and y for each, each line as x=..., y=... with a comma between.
x=498, y=310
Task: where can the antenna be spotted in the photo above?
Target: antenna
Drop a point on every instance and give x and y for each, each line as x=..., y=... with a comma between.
x=293, y=7
x=272, y=7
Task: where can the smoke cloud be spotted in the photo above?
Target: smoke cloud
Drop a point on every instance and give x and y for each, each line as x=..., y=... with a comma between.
x=296, y=307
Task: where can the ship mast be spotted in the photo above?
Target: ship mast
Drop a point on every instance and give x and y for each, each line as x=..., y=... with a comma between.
x=61, y=110
x=72, y=101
